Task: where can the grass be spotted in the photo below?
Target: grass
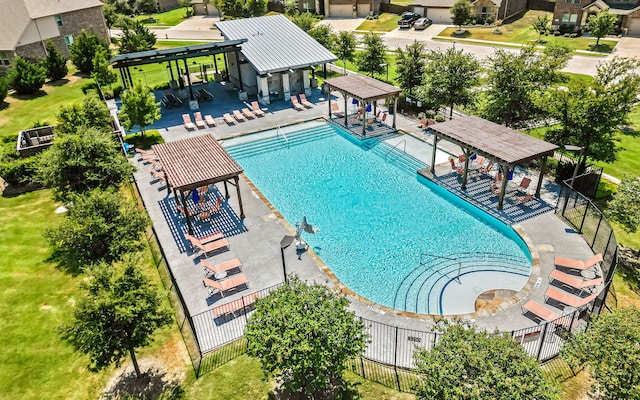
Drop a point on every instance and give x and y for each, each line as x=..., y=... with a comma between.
x=150, y=137
x=520, y=31
x=167, y=18
x=386, y=22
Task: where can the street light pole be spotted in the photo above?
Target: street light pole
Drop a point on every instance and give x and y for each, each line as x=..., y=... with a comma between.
x=284, y=243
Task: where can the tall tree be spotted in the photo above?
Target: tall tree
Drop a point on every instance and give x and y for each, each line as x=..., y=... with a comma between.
x=119, y=313
x=4, y=89
x=449, y=79
x=55, y=64
x=323, y=34
x=146, y=6
x=540, y=25
x=110, y=15
x=410, y=65
x=80, y=162
x=624, y=208
x=610, y=349
x=460, y=12
x=135, y=36
x=305, y=21
x=469, y=364
x=291, y=8
x=344, y=47
x=26, y=77
x=102, y=73
x=515, y=81
x=590, y=115
x=601, y=24
x=84, y=49
x=139, y=107
x=373, y=55
x=303, y=334
x=188, y=9
x=256, y=8
x=90, y=113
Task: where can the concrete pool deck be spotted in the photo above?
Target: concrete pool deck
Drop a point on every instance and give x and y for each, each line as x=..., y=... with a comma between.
x=257, y=242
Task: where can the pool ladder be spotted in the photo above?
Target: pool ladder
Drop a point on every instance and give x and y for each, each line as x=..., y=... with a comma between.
x=280, y=132
x=404, y=149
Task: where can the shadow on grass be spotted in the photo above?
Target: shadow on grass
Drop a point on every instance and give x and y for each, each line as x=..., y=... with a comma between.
x=59, y=82
x=601, y=48
x=152, y=384
x=461, y=34
x=339, y=391
x=31, y=96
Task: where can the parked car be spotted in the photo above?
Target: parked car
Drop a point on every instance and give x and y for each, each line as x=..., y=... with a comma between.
x=407, y=20
x=422, y=23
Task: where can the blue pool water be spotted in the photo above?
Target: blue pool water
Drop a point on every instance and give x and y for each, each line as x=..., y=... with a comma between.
x=387, y=233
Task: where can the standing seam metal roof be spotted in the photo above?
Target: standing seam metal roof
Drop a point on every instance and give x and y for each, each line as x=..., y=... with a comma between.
x=275, y=44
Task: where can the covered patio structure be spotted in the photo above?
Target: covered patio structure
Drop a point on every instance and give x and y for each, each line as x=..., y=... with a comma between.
x=191, y=163
x=366, y=91
x=506, y=147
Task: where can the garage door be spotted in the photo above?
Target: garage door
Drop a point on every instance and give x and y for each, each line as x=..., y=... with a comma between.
x=439, y=15
x=363, y=10
x=634, y=27
x=341, y=10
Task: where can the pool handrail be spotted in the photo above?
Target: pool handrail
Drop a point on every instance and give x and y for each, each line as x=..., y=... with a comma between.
x=280, y=132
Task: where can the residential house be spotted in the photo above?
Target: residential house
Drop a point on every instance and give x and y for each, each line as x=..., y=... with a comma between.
x=439, y=11
x=573, y=14
x=25, y=25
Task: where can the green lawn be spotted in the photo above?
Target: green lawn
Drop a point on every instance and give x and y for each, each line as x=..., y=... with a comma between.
x=167, y=18
x=520, y=31
x=386, y=22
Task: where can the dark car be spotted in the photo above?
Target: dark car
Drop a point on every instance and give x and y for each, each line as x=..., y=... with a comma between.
x=407, y=20
x=422, y=23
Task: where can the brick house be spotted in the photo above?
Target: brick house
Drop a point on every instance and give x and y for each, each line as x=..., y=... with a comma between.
x=25, y=25
x=439, y=11
x=573, y=14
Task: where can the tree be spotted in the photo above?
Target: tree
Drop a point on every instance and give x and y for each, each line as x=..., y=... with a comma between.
x=4, y=89
x=344, y=47
x=540, y=26
x=102, y=73
x=84, y=49
x=188, y=10
x=624, y=208
x=135, y=36
x=460, y=12
x=410, y=65
x=515, y=81
x=590, y=114
x=601, y=24
x=83, y=161
x=305, y=21
x=100, y=226
x=373, y=54
x=256, y=8
x=121, y=7
x=55, y=64
x=119, y=313
x=469, y=364
x=449, y=79
x=303, y=335
x=26, y=77
x=139, y=107
x=90, y=113
x=110, y=15
x=291, y=8
x=323, y=34
x=146, y=6
x=610, y=349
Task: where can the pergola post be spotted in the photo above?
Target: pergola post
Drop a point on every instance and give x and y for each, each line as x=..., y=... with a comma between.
x=543, y=170
x=329, y=98
x=226, y=190
x=432, y=168
x=395, y=110
x=364, y=119
x=186, y=213
x=345, y=108
x=503, y=187
x=466, y=153
x=186, y=68
x=239, y=71
x=237, y=181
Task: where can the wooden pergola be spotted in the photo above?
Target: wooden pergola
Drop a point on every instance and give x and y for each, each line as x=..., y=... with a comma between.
x=364, y=89
x=195, y=162
x=505, y=146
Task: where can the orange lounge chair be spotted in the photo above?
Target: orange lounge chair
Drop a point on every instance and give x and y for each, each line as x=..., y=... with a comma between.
x=204, y=239
x=238, y=116
x=145, y=152
x=572, y=281
x=209, y=120
x=186, y=119
x=335, y=108
x=524, y=184
x=225, y=285
x=157, y=175
x=208, y=246
x=256, y=109
x=539, y=311
x=487, y=168
x=384, y=117
x=524, y=199
x=567, y=298
x=247, y=113
x=222, y=267
x=199, y=121
x=228, y=119
x=295, y=104
x=236, y=307
x=304, y=101
x=423, y=123
x=577, y=264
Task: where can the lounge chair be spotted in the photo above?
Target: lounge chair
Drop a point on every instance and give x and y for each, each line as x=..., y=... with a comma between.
x=186, y=118
x=247, y=113
x=357, y=117
x=226, y=285
x=454, y=167
x=199, y=121
x=204, y=239
x=228, y=119
x=295, y=104
x=539, y=311
x=572, y=281
x=486, y=168
x=238, y=116
x=256, y=109
x=221, y=267
x=145, y=152
x=479, y=160
x=335, y=109
x=384, y=117
x=567, y=298
x=236, y=307
x=304, y=101
x=577, y=264
x=148, y=157
x=524, y=185
x=525, y=198
x=157, y=175
x=209, y=246
x=209, y=120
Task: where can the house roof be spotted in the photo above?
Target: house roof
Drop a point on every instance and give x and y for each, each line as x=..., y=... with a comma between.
x=275, y=44
x=18, y=14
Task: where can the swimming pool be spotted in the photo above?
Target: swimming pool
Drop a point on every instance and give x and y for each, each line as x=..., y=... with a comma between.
x=387, y=233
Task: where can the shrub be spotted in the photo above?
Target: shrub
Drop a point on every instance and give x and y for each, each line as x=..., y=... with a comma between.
x=19, y=171
x=488, y=21
x=27, y=77
x=84, y=49
x=4, y=88
x=557, y=33
x=566, y=35
x=573, y=35
x=440, y=118
x=55, y=64
x=89, y=87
